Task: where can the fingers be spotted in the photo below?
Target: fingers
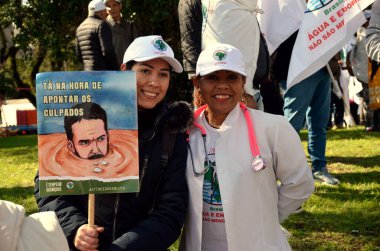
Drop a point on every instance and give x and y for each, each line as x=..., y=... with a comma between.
x=86, y=238
x=99, y=229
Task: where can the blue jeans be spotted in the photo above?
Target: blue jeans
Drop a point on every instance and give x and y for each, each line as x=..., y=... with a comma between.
x=311, y=99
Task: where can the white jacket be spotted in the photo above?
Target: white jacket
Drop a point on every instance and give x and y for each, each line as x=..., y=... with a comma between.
x=39, y=231
x=253, y=203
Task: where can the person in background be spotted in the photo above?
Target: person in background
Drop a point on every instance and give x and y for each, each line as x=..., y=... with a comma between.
x=197, y=31
x=357, y=66
x=246, y=169
x=123, y=31
x=190, y=26
x=151, y=219
x=310, y=100
x=373, y=52
x=94, y=40
x=336, y=120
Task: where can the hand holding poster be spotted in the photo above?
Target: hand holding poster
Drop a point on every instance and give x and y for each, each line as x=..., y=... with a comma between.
x=87, y=132
x=326, y=27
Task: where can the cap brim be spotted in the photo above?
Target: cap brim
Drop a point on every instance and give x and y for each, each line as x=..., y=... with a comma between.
x=177, y=67
x=215, y=68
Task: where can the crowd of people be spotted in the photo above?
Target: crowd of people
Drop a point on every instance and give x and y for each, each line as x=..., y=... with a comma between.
x=237, y=169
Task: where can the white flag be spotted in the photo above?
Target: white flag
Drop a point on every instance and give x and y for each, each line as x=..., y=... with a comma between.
x=326, y=27
x=281, y=18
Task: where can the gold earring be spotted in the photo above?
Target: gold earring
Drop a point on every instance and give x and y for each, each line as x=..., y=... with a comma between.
x=243, y=99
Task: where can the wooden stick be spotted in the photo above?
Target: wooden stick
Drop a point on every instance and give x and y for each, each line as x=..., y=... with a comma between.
x=91, y=209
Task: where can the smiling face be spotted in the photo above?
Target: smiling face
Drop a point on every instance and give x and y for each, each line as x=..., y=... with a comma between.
x=221, y=90
x=90, y=139
x=152, y=82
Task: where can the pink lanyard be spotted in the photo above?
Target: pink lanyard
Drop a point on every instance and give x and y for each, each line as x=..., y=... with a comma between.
x=258, y=162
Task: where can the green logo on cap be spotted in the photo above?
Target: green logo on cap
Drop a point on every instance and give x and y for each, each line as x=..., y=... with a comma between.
x=159, y=44
x=220, y=55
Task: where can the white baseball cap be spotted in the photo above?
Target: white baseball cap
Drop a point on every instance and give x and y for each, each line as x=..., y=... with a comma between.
x=151, y=47
x=218, y=57
x=96, y=5
x=105, y=1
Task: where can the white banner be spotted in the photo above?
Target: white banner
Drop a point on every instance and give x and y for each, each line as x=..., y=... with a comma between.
x=326, y=27
x=281, y=18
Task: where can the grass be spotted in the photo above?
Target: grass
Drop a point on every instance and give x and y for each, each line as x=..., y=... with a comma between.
x=344, y=217
x=19, y=162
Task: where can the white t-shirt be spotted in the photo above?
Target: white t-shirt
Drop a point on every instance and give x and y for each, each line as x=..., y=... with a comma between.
x=213, y=226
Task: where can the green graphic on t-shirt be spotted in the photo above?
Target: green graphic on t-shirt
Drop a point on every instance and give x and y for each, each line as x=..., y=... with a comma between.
x=211, y=192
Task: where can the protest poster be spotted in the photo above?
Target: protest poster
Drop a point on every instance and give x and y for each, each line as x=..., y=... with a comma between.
x=87, y=132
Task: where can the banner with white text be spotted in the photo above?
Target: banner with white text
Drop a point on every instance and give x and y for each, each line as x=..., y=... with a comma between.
x=326, y=27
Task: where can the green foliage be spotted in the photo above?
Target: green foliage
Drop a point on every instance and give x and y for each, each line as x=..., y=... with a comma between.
x=7, y=85
x=45, y=37
x=49, y=23
x=154, y=17
x=43, y=31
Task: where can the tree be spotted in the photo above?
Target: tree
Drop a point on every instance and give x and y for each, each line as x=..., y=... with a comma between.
x=42, y=29
x=44, y=39
x=161, y=18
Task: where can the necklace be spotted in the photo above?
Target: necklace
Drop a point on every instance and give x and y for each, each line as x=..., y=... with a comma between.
x=211, y=124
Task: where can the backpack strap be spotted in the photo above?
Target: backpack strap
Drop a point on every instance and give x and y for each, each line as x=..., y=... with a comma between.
x=168, y=140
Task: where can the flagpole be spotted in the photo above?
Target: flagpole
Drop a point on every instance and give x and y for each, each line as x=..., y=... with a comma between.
x=91, y=210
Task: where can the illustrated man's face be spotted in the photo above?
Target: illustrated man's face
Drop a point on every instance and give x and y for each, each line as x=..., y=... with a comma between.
x=90, y=139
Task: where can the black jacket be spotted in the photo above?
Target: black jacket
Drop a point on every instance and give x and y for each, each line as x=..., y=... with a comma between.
x=152, y=218
x=190, y=25
x=94, y=45
x=123, y=34
x=281, y=58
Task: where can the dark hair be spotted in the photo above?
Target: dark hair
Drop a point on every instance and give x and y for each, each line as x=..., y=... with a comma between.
x=89, y=110
x=128, y=66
